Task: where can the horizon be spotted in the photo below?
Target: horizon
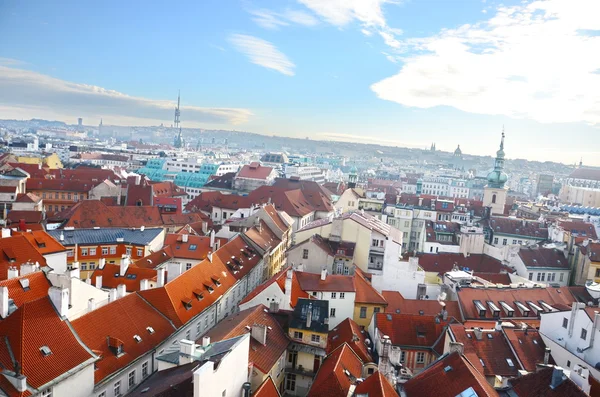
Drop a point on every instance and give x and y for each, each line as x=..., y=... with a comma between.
x=354, y=71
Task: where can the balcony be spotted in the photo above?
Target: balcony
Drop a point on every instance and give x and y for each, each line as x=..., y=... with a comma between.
x=299, y=370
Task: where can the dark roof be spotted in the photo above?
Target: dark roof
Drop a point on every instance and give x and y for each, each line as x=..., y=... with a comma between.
x=537, y=384
x=586, y=173
x=172, y=382
x=224, y=181
x=106, y=236
x=444, y=262
x=320, y=315
x=543, y=257
x=15, y=216
x=518, y=227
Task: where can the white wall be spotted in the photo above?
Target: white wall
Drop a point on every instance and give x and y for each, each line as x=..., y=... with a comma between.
x=57, y=261
x=228, y=378
x=317, y=258
x=80, y=384
x=344, y=308
x=107, y=386
x=437, y=247
x=403, y=277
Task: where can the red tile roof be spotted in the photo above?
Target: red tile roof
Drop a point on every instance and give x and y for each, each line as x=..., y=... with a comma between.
x=262, y=236
x=543, y=257
x=274, y=215
x=398, y=304
x=155, y=259
x=332, y=379
x=79, y=186
x=376, y=385
x=350, y=333
x=558, y=298
x=200, y=286
x=577, y=228
x=42, y=242
x=528, y=346
x=15, y=251
x=279, y=278
x=15, y=216
x=8, y=189
x=120, y=321
x=205, y=201
x=36, y=288
x=496, y=278
x=267, y=389
x=333, y=282
x=365, y=293
x=238, y=257
x=28, y=198
x=34, y=325
x=254, y=171
x=132, y=277
x=537, y=384
x=444, y=262
x=85, y=173
x=196, y=247
x=449, y=377
x=493, y=351
x=409, y=329
x=264, y=357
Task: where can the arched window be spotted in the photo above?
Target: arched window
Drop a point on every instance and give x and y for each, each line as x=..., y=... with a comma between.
x=494, y=199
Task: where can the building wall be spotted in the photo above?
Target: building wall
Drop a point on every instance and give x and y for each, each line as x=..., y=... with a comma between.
x=107, y=386
x=435, y=247
x=317, y=258
x=403, y=277
x=347, y=202
x=586, y=196
x=488, y=201
x=371, y=309
x=344, y=307
x=80, y=384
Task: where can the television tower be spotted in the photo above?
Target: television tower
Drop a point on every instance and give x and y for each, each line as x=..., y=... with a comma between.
x=178, y=140
x=177, y=111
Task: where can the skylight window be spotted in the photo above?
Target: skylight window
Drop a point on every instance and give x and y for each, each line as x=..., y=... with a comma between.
x=193, y=247
x=137, y=338
x=150, y=330
x=510, y=362
x=45, y=351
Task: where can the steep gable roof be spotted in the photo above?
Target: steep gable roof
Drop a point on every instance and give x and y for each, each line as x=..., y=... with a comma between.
x=537, y=384
x=15, y=251
x=279, y=279
x=267, y=389
x=116, y=324
x=398, y=304
x=337, y=373
x=527, y=345
x=376, y=385
x=410, y=329
x=27, y=288
x=350, y=333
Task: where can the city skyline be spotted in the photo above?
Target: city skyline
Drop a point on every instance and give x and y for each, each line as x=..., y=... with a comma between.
x=403, y=73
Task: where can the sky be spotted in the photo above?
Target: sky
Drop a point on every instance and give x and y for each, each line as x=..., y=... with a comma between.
x=395, y=72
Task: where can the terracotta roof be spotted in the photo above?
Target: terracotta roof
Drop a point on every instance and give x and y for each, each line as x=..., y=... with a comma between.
x=27, y=288
x=267, y=389
x=34, y=325
x=262, y=236
x=490, y=355
x=444, y=262
x=85, y=173
x=528, y=346
x=316, y=194
x=155, y=259
x=15, y=251
x=14, y=216
x=448, y=377
x=543, y=257
x=238, y=257
x=350, y=333
x=591, y=174
x=205, y=201
x=293, y=202
x=496, y=278
x=520, y=227
x=410, y=329
x=132, y=277
x=188, y=295
x=274, y=215
x=79, y=186
x=8, y=189
x=537, y=384
x=42, y=242
x=331, y=248
x=577, y=228
x=337, y=374
x=254, y=171
x=333, y=282
x=558, y=298
x=376, y=385
x=196, y=247
x=365, y=293
x=398, y=304
x=120, y=321
x=264, y=357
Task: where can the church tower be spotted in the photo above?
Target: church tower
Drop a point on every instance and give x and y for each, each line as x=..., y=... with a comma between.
x=352, y=177
x=494, y=194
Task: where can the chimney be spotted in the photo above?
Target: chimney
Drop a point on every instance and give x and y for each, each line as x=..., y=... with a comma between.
x=259, y=332
x=205, y=341
x=204, y=227
x=478, y=333
x=576, y=306
x=498, y=326
x=144, y=284
x=91, y=304
x=288, y=289
x=124, y=265
x=557, y=378
x=60, y=299
x=28, y=268
x=13, y=272
x=101, y=263
x=5, y=233
x=184, y=238
x=3, y=302
x=22, y=225
x=61, y=238
x=212, y=239
x=98, y=282
x=19, y=381
x=457, y=347
x=187, y=351
x=112, y=295
x=309, y=316
x=160, y=277
x=121, y=291
x=546, y=356
x=323, y=274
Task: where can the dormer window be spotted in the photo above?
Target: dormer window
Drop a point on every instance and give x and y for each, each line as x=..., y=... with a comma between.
x=187, y=303
x=45, y=350
x=150, y=330
x=137, y=338
x=480, y=308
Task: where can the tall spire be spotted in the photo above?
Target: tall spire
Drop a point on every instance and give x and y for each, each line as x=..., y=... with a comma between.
x=502, y=141
x=177, y=110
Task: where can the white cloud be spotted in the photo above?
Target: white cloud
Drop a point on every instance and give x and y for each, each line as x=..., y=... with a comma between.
x=263, y=53
x=535, y=61
x=274, y=20
x=30, y=94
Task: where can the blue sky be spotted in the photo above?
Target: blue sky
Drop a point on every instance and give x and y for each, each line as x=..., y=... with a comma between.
x=399, y=72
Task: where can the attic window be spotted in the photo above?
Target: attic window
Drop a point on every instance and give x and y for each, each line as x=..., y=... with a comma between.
x=193, y=247
x=490, y=336
x=150, y=330
x=24, y=284
x=447, y=369
x=45, y=351
x=137, y=338
x=510, y=362
x=482, y=363
x=187, y=303
x=216, y=281
x=199, y=295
